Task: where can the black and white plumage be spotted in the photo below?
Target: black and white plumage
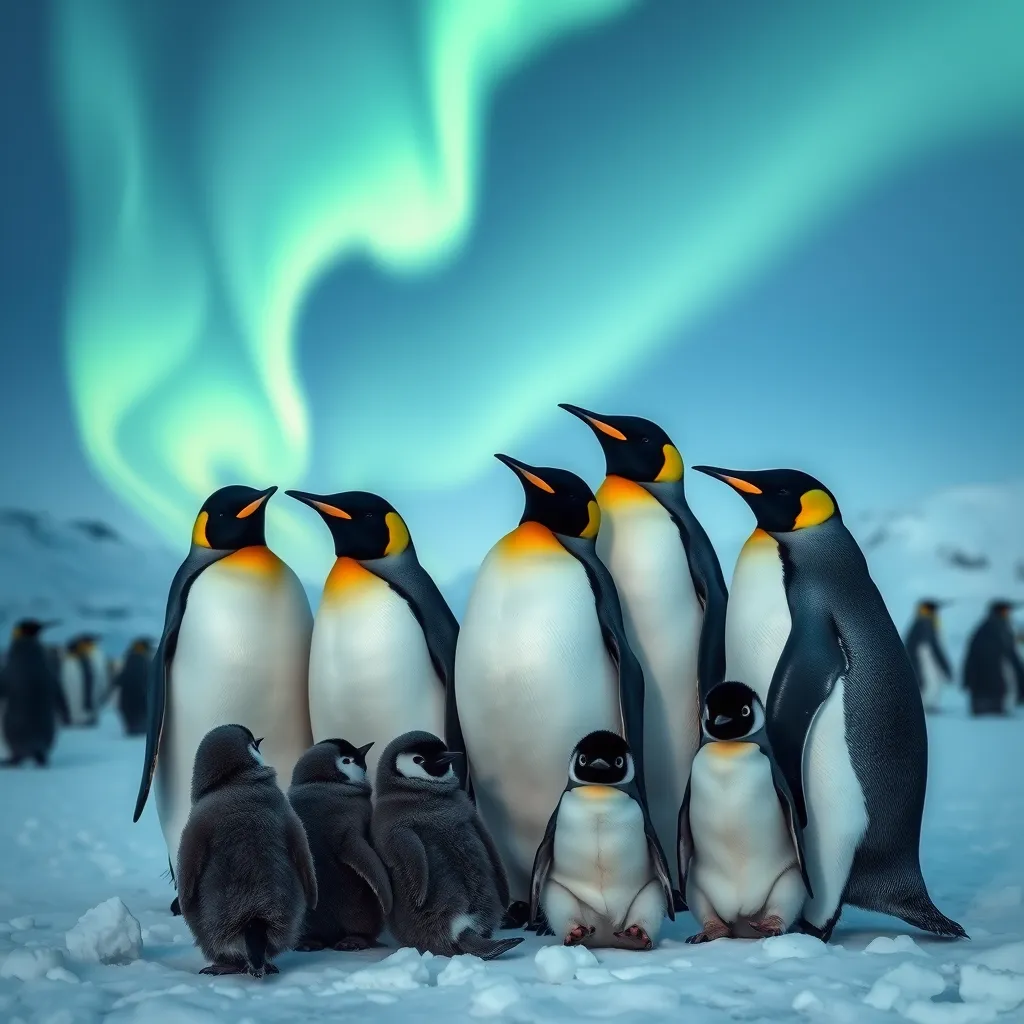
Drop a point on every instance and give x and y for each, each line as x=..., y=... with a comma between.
x=30, y=696
x=927, y=654
x=993, y=669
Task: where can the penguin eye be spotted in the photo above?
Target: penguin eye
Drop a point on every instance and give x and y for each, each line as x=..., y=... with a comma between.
x=583, y=760
x=619, y=762
x=746, y=711
x=784, y=492
x=346, y=760
x=369, y=515
x=417, y=759
x=645, y=440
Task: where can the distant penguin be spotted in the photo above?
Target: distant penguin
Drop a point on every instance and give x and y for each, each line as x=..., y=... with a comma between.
x=447, y=878
x=673, y=597
x=330, y=792
x=31, y=696
x=542, y=660
x=382, y=659
x=927, y=655
x=740, y=850
x=245, y=873
x=78, y=681
x=101, y=675
x=993, y=670
x=235, y=647
x=844, y=710
x=131, y=685
x=600, y=873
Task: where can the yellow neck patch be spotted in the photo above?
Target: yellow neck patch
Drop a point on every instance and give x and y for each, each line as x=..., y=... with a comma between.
x=530, y=538
x=398, y=534
x=617, y=491
x=199, y=530
x=256, y=559
x=730, y=748
x=592, y=792
x=672, y=470
x=815, y=507
x=346, y=577
x=593, y=521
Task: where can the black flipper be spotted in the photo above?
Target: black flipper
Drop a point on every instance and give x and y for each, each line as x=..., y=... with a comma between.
x=631, y=675
x=656, y=852
x=789, y=813
x=940, y=655
x=199, y=558
x=708, y=582
x=542, y=862
x=404, y=574
x=811, y=663
x=355, y=852
x=684, y=843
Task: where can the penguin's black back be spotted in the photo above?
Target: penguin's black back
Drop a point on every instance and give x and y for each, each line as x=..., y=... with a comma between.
x=31, y=691
x=990, y=645
x=132, y=685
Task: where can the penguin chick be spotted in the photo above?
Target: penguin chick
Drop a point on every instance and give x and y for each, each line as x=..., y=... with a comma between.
x=330, y=793
x=741, y=860
x=600, y=873
x=450, y=887
x=245, y=874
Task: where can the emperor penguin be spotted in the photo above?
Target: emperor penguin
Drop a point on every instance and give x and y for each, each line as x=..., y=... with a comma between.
x=245, y=873
x=993, y=670
x=542, y=660
x=927, y=655
x=448, y=882
x=673, y=597
x=844, y=711
x=740, y=846
x=131, y=686
x=235, y=647
x=382, y=659
x=600, y=872
x=78, y=681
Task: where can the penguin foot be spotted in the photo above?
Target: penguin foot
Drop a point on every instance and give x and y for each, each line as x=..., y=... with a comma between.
x=353, y=944
x=636, y=937
x=517, y=915
x=262, y=971
x=712, y=930
x=219, y=969
x=310, y=946
x=576, y=935
x=176, y=907
x=824, y=934
x=769, y=926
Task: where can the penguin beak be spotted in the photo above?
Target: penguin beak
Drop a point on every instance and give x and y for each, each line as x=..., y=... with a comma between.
x=447, y=758
x=599, y=762
x=722, y=719
x=256, y=504
x=596, y=422
x=318, y=502
x=256, y=743
x=363, y=750
x=732, y=477
x=526, y=472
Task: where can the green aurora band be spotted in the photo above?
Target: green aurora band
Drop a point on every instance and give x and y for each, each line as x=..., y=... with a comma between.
x=211, y=199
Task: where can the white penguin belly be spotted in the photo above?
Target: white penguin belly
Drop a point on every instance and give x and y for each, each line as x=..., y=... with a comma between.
x=532, y=678
x=741, y=841
x=100, y=677
x=1010, y=682
x=640, y=544
x=931, y=677
x=757, y=620
x=242, y=656
x=370, y=673
x=72, y=681
x=601, y=854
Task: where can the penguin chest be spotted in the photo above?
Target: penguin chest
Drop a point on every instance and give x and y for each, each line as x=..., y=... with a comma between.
x=741, y=841
x=600, y=849
x=930, y=676
x=758, y=621
x=371, y=677
x=72, y=680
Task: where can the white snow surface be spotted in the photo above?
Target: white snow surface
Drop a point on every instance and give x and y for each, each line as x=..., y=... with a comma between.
x=69, y=853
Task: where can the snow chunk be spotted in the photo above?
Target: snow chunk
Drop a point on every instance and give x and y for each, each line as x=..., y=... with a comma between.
x=495, y=999
x=594, y=975
x=30, y=964
x=1002, y=958
x=793, y=947
x=22, y=924
x=900, y=986
x=898, y=944
x=559, y=964
x=807, y=1002
x=404, y=969
x=62, y=974
x=461, y=970
x=641, y=971
x=949, y=1013
x=107, y=934
x=1000, y=989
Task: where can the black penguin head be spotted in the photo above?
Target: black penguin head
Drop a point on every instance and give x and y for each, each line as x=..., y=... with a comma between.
x=226, y=754
x=364, y=526
x=602, y=758
x=732, y=711
x=1003, y=608
x=141, y=645
x=784, y=500
x=557, y=499
x=928, y=608
x=233, y=517
x=421, y=761
x=336, y=761
x=29, y=629
x=634, y=448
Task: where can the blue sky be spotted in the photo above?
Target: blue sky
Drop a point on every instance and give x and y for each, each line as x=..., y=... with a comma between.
x=859, y=319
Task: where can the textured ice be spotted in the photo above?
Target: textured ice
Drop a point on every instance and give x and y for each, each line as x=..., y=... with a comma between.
x=28, y=964
x=559, y=964
x=899, y=944
x=107, y=934
x=793, y=947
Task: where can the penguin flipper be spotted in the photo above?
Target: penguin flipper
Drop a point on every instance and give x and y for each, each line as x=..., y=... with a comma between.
x=411, y=862
x=684, y=843
x=298, y=851
x=542, y=863
x=356, y=853
x=631, y=675
x=657, y=855
x=789, y=813
x=811, y=663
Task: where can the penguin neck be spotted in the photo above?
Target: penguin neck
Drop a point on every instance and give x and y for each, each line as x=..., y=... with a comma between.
x=530, y=539
x=349, y=578
x=256, y=559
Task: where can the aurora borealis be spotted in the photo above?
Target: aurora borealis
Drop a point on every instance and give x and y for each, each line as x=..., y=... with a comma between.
x=540, y=198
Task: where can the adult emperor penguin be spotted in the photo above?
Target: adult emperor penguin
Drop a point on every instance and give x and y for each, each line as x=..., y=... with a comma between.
x=673, y=597
x=382, y=660
x=542, y=660
x=78, y=680
x=235, y=648
x=927, y=655
x=844, y=711
x=993, y=669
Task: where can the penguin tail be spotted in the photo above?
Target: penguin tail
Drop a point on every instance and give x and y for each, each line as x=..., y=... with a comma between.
x=487, y=949
x=909, y=902
x=926, y=916
x=255, y=937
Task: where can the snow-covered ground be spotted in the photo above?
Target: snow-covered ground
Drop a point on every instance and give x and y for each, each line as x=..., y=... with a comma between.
x=67, y=845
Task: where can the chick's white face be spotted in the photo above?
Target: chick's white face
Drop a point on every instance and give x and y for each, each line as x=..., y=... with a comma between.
x=412, y=767
x=255, y=754
x=352, y=771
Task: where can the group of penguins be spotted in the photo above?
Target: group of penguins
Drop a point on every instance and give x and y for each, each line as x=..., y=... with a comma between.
x=605, y=700
x=44, y=686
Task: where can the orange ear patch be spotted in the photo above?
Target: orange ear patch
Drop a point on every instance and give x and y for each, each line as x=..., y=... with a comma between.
x=199, y=530
x=815, y=507
x=672, y=469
